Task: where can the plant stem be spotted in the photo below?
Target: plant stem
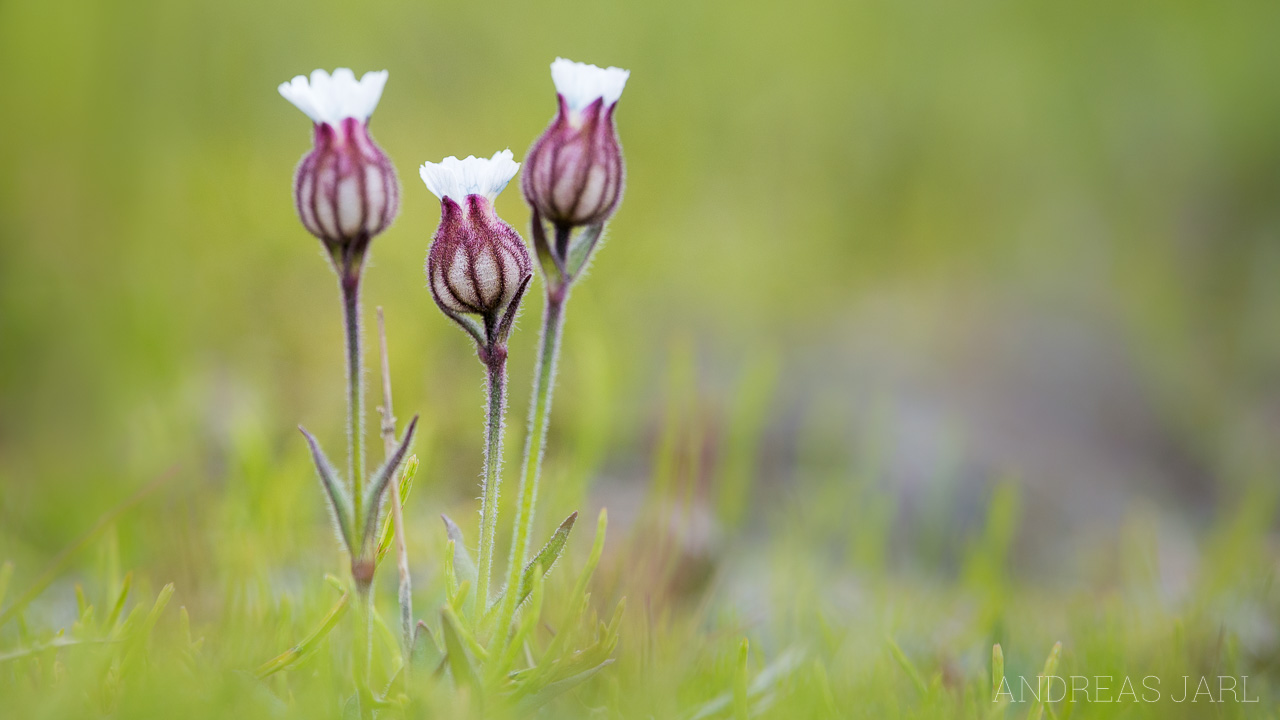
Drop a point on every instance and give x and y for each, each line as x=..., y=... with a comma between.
x=495, y=361
x=350, y=269
x=364, y=649
x=397, y=515
x=544, y=379
x=350, y=279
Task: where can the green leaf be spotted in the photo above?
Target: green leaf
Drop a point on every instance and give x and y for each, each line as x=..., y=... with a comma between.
x=907, y=666
x=740, y=708
x=464, y=672
x=526, y=626
x=759, y=690
x=407, y=473
x=582, y=247
x=545, y=558
x=557, y=688
x=335, y=490
x=997, y=670
x=464, y=567
x=377, y=490
x=119, y=606
x=308, y=644
x=1050, y=669
x=139, y=634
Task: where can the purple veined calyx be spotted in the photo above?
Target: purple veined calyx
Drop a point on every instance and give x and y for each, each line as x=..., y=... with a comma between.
x=478, y=267
x=345, y=189
x=574, y=173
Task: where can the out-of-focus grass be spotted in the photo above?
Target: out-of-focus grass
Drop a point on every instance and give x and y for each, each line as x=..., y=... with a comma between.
x=806, y=181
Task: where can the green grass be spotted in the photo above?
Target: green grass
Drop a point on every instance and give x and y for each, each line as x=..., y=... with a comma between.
x=769, y=628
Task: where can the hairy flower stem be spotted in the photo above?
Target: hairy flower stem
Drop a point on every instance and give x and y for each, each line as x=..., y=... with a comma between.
x=393, y=498
x=350, y=278
x=495, y=361
x=350, y=265
x=544, y=379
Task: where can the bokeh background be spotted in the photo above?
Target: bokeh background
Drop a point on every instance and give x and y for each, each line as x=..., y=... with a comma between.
x=882, y=270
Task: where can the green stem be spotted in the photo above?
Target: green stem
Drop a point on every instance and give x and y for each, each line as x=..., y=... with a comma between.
x=496, y=366
x=544, y=379
x=350, y=278
x=364, y=649
x=361, y=568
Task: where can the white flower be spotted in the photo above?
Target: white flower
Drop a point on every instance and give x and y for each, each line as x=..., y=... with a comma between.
x=580, y=84
x=333, y=98
x=454, y=178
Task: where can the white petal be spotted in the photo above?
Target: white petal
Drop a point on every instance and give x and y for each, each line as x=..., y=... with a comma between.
x=581, y=84
x=332, y=98
x=454, y=178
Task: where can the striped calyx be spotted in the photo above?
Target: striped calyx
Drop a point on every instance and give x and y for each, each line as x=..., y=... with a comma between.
x=345, y=189
x=477, y=263
x=574, y=172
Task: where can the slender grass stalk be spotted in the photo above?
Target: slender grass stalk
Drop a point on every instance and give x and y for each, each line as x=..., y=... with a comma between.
x=393, y=498
x=496, y=368
x=544, y=378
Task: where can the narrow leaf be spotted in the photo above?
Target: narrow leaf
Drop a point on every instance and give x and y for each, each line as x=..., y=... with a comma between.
x=464, y=567
x=740, y=707
x=308, y=644
x=1050, y=669
x=407, y=472
x=555, y=689
x=997, y=670
x=119, y=606
x=450, y=577
x=469, y=324
x=907, y=666
x=378, y=484
x=335, y=490
x=524, y=629
x=593, y=559
x=545, y=558
x=463, y=671
x=582, y=247
x=552, y=270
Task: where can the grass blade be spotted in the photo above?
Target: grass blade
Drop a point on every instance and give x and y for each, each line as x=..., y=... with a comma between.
x=308, y=644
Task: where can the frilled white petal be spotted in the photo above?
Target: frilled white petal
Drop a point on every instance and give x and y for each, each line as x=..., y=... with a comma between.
x=454, y=178
x=581, y=84
x=332, y=98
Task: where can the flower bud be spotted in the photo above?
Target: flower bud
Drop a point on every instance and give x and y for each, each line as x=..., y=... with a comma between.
x=345, y=189
x=477, y=263
x=574, y=172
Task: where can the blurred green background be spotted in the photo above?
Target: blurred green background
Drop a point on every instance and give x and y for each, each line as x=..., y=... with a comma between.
x=875, y=261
